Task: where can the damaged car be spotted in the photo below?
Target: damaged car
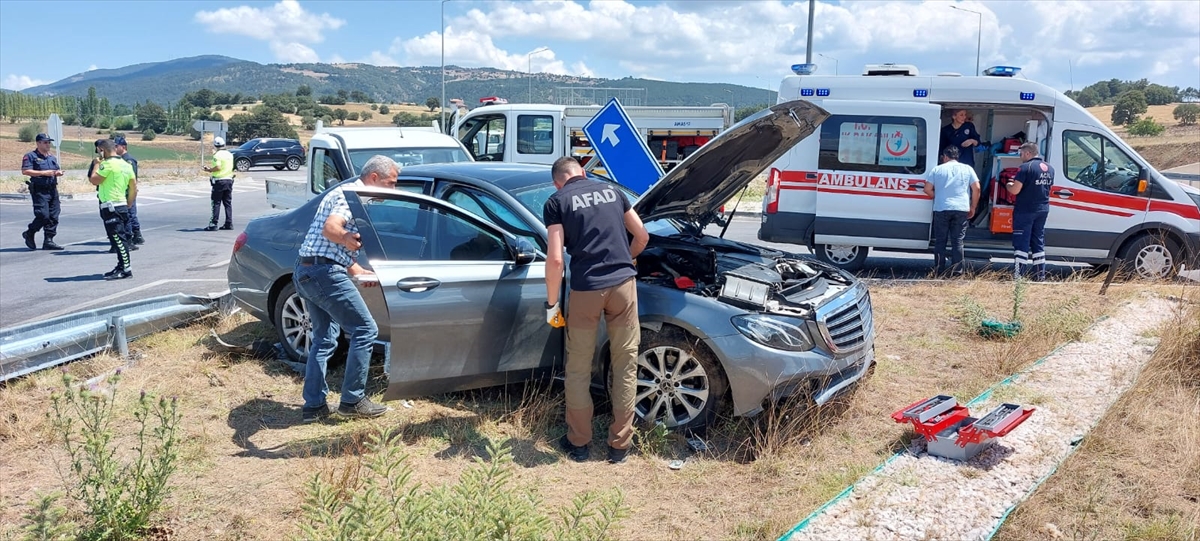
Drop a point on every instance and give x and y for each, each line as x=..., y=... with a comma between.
x=460, y=254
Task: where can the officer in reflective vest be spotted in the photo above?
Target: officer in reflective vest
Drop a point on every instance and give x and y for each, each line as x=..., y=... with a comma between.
x=117, y=191
x=222, y=185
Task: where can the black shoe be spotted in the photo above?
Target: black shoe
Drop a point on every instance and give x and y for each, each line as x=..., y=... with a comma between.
x=51, y=245
x=364, y=409
x=319, y=413
x=118, y=274
x=112, y=250
x=211, y=227
x=226, y=227
x=617, y=456
x=578, y=453
x=28, y=236
x=137, y=238
x=131, y=247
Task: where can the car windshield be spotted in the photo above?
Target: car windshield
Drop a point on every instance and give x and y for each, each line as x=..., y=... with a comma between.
x=534, y=198
x=248, y=144
x=410, y=156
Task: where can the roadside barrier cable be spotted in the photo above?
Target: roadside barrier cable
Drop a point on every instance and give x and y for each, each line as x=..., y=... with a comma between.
x=982, y=396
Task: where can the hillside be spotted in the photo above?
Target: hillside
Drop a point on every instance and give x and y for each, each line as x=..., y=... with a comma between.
x=1178, y=145
x=166, y=82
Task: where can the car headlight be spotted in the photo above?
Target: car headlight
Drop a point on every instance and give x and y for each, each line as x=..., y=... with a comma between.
x=779, y=332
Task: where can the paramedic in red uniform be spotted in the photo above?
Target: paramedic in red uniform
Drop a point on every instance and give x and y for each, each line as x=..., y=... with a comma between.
x=1032, y=188
x=961, y=134
x=591, y=218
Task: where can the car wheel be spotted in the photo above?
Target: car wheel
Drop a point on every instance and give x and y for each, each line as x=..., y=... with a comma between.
x=842, y=256
x=278, y=167
x=293, y=163
x=292, y=323
x=242, y=164
x=678, y=381
x=1152, y=257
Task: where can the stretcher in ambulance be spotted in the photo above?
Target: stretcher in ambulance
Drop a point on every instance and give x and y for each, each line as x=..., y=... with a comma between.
x=856, y=183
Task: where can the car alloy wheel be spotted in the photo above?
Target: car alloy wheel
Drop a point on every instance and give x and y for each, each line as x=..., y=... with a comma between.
x=678, y=383
x=293, y=163
x=293, y=324
x=242, y=164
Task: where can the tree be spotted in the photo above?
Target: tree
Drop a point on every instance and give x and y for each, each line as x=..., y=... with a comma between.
x=1145, y=127
x=152, y=116
x=341, y=114
x=358, y=96
x=433, y=103
x=1161, y=95
x=343, y=95
x=365, y=116
x=330, y=99
x=1129, y=106
x=1190, y=94
x=407, y=119
x=743, y=112
x=383, y=110
x=352, y=116
x=1088, y=98
x=303, y=90
x=261, y=122
x=374, y=107
x=1186, y=113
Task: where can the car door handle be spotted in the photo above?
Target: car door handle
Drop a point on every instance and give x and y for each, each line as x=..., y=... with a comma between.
x=1065, y=194
x=417, y=285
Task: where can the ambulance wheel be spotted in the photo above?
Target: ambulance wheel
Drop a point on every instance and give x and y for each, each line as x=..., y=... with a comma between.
x=842, y=256
x=1151, y=257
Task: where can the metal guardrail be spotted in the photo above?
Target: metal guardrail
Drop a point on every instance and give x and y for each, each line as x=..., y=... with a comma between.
x=44, y=344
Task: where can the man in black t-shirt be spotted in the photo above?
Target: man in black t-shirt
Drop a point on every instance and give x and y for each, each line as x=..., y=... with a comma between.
x=591, y=218
x=1032, y=188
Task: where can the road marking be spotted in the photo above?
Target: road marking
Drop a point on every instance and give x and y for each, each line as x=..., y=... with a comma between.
x=81, y=307
x=141, y=198
x=218, y=264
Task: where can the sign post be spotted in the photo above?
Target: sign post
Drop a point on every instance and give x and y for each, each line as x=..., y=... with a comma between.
x=218, y=129
x=54, y=127
x=623, y=150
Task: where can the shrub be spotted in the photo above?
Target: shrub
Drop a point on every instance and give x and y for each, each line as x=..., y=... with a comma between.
x=365, y=116
x=123, y=123
x=383, y=110
x=483, y=504
x=28, y=132
x=352, y=116
x=1145, y=127
x=119, y=497
x=113, y=134
x=1186, y=113
x=374, y=107
x=149, y=135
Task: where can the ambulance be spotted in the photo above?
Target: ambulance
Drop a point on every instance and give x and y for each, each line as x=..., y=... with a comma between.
x=856, y=183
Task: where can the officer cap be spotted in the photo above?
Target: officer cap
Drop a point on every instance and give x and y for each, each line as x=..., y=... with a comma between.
x=120, y=141
x=43, y=137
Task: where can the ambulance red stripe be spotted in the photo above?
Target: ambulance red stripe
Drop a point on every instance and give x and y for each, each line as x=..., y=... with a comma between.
x=1059, y=203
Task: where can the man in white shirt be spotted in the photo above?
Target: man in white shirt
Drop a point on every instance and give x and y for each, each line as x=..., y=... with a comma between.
x=955, y=191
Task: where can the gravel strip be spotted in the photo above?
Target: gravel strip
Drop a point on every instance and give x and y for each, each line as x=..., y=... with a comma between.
x=917, y=496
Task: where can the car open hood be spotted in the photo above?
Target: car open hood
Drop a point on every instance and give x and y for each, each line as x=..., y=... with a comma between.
x=696, y=188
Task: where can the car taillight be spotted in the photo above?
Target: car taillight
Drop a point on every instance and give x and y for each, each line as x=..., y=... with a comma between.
x=771, y=200
x=240, y=241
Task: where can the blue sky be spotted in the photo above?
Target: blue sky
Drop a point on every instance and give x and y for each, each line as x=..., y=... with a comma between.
x=1061, y=43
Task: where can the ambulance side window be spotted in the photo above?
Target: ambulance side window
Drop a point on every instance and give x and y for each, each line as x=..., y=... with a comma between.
x=1094, y=161
x=873, y=144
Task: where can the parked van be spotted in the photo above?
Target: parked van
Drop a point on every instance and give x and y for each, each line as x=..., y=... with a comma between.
x=856, y=183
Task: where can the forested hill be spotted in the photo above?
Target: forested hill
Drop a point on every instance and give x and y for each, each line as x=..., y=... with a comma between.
x=167, y=82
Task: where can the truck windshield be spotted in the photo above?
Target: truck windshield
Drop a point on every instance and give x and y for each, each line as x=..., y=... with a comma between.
x=409, y=156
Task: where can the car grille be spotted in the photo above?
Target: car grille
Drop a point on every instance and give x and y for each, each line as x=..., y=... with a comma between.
x=849, y=326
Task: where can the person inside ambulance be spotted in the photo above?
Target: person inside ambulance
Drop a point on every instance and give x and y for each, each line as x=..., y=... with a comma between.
x=961, y=133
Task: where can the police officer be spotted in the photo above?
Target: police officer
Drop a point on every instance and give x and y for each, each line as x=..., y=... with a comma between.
x=42, y=169
x=591, y=218
x=117, y=191
x=222, y=185
x=135, y=227
x=1032, y=188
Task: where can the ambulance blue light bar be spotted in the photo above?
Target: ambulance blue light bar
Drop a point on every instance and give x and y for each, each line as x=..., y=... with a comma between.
x=822, y=92
x=921, y=93
x=1027, y=96
x=1001, y=71
x=806, y=91
x=804, y=69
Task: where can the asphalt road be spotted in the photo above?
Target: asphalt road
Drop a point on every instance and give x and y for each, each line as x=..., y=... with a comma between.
x=178, y=257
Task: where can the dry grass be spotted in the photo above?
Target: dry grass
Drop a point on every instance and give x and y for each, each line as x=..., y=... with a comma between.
x=245, y=456
x=1137, y=475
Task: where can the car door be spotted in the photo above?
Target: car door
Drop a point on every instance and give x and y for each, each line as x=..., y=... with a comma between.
x=464, y=299
x=871, y=166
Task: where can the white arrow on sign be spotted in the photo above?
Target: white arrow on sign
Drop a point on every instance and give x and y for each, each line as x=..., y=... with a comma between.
x=610, y=132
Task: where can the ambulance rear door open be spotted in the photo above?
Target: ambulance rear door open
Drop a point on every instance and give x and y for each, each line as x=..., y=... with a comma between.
x=869, y=175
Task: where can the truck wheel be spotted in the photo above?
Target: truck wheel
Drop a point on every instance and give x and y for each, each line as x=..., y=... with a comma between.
x=842, y=256
x=679, y=382
x=1152, y=257
x=293, y=163
x=292, y=323
x=242, y=164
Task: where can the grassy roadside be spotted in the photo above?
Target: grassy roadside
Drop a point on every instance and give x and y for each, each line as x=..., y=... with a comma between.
x=245, y=457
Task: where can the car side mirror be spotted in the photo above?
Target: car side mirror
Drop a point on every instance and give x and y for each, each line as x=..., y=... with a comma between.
x=526, y=251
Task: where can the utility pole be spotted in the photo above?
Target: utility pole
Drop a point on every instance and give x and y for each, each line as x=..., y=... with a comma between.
x=529, y=72
x=978, y=36
x=812, y=5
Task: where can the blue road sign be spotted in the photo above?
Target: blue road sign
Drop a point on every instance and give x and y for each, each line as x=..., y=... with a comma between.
x=622, y=149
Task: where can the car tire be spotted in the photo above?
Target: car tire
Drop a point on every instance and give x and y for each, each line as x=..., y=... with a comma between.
x=278, y=167
x=685, y=403
x=1150, y=257
x=845, y=257
x=292, y=323
x=293, y=163
x=242, y=164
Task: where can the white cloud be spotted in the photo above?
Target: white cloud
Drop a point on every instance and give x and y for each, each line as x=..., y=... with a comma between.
x=21, y=82
x=93, y=67
x=285, y=26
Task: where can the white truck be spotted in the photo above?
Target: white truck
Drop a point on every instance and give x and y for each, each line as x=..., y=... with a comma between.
x=542, y=133
x=855, y=184
x=336, y=154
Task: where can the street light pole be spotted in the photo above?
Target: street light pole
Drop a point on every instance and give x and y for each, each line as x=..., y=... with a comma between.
x=978, y=35
x=442, y=112
x=835, y=62
x=529, y=57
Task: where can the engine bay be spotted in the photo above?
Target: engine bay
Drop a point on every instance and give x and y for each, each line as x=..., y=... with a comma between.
x=738, y=274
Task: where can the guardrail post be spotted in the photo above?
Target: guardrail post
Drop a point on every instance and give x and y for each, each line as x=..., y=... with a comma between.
x=119, y=339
